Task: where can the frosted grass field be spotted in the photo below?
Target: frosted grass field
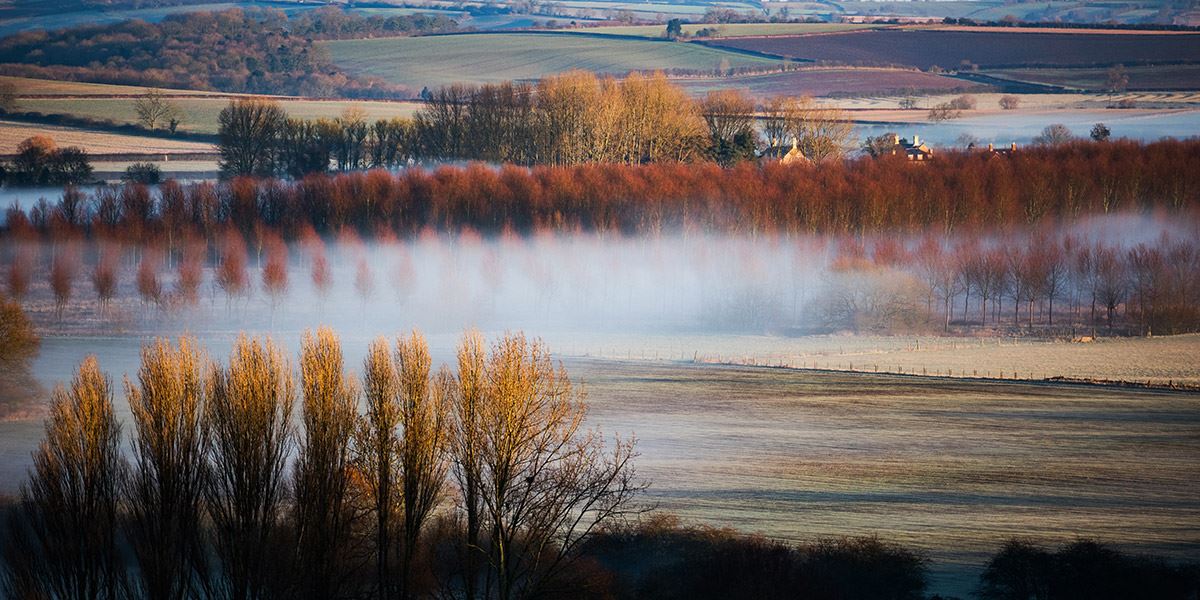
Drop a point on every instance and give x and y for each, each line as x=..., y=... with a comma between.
x=951, y=468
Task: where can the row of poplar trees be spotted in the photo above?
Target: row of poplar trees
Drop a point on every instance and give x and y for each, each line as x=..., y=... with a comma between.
x=411, y=483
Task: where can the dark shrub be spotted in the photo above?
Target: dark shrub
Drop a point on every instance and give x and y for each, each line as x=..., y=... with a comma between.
x=144, y=173
x=1082, y=570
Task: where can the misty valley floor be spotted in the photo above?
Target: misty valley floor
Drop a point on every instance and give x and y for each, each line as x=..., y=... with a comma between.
x=949, y=467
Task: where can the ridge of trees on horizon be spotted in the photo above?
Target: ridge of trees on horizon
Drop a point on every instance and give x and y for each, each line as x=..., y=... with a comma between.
x=479, y=483
x=260, y=51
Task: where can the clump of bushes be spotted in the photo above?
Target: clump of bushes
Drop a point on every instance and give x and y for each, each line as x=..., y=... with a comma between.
x=143, y=173
x=1082, y=569
x=660, y=558
x=39, y=161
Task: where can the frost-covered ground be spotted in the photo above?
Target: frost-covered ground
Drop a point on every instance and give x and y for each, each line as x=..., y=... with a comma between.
x=950, y=467
x=1159, y=360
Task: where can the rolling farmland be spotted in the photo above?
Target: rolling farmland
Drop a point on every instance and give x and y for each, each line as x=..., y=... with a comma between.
x=438, y=60
x=925, y=48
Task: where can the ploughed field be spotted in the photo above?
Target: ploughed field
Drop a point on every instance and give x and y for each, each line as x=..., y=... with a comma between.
x=830, y=82
x=924, y=48
x=1149, y=78
x=950, y=467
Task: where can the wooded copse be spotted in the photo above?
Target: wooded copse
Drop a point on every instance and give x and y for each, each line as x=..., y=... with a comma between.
x=568, y=119
x=480, y=484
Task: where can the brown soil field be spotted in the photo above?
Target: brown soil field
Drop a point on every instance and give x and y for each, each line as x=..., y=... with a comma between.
x=925, y=48
x=1074, y=30
x=830, y=82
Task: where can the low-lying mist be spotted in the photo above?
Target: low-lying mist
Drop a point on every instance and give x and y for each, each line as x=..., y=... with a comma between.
x=549, y=282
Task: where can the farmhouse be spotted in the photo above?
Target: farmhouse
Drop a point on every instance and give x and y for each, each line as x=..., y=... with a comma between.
x=914, y=150
x=791, y=156
x=992, y=150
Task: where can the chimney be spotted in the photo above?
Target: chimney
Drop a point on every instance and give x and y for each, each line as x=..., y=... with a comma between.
x=1014, y=146
x=916, y=140
x=990, y=148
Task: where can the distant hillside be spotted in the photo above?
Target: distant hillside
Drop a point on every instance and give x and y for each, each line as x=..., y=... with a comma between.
x=251, y=51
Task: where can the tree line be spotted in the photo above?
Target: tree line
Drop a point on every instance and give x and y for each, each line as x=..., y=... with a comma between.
x=411, y=482
x=964, y=191
x=568, y=119
x=256, y=51
x=1035, y=282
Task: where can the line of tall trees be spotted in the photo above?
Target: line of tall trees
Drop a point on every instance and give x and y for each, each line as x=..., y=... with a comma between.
x=257, y=138
x=480, y=483
x=964, y=191
x=569, y=119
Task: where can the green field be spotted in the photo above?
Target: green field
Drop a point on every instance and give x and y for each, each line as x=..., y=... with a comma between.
x=650, y=8
x=730, y=29
x=494, y=57
x=115, y=103
x=200, y=114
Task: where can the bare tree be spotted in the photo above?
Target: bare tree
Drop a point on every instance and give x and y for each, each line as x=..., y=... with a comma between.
x=248, y=421
x=148, y=285
x=466, y=447
x=423, y=404
x=376, y=454
x=1112, y=280
x=165, y=491
x=62, y=275
x=104, y=275
x=154, y=109
x=821, y=132
x=63, y=536
x=1055, y=134
x=249, y=133
x=275, y=271
x=323, y=508
x=544, y=483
